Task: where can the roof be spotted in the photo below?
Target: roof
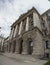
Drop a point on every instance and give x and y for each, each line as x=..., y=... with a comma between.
x=45, y=12
x=6, y=38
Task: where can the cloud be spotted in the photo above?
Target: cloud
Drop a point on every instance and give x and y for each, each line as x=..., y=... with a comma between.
x=10, y=10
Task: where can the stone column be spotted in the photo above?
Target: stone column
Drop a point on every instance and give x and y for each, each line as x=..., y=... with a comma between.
x=11, y=34
x=20, y=28
x=25, y=48
x=15, y=30
x=27, y=24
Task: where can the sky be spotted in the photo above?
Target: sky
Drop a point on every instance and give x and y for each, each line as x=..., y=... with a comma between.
x=10, y=10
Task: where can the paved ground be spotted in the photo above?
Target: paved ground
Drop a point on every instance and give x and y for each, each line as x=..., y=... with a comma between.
x=13, y=59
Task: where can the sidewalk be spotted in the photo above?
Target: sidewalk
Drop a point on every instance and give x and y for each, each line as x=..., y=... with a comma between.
x=24, y=58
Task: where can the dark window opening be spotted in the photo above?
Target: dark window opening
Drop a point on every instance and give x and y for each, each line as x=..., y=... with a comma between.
x=18, y=28
x=24, y=24
x=47, y=55
x=46, y=44
x=45, y=32
x=49, y=22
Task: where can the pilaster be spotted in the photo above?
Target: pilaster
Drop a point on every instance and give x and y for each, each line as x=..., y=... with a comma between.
x=27, y=24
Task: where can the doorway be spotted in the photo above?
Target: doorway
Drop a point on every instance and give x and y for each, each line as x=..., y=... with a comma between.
x=30, y=47
x=47, y=55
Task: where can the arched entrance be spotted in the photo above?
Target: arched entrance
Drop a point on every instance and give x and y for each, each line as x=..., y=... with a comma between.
x=20, y=46
x=30, y=46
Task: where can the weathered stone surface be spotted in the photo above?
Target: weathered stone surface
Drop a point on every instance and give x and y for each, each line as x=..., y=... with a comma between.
x=31, y=34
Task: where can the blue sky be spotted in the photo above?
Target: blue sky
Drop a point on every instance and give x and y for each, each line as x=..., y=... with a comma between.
x=10, y=10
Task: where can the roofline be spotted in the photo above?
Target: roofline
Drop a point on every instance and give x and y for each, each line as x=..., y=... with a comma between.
x=22, y=15
x=6, y=38
x=45, y=12
x=25, y=14
x=2, y=37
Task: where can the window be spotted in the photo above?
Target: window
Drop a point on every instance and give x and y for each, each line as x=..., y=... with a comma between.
x=45, y=32
x=43, y=24
x=47, y=44
x=18, y=28
x=24, y=24
x=44, y=28
x=49, y=22
x=14, y=31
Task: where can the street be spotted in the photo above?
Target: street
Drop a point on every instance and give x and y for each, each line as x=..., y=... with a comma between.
x=7, y=61
x=12, y=61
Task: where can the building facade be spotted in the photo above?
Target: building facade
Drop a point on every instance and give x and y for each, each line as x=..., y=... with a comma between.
x=30, y=34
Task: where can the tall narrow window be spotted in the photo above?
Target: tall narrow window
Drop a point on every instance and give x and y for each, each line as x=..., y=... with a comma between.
x=46, y=44
x=24, y=24
x=31, y=21
x=49, y=22
x=18, y=28
x=44, y=28
x=43, y=25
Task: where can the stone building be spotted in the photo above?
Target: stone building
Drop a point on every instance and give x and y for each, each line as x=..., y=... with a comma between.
x=1, y=43
x=30, y=34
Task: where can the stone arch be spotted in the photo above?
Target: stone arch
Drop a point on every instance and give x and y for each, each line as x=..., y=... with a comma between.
x=20, y=45
x=30, y=46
